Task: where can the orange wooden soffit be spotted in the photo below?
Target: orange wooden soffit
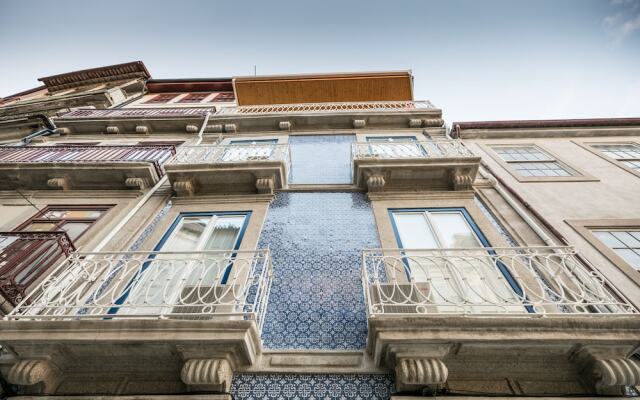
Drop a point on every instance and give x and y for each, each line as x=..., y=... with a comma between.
x=323, y=88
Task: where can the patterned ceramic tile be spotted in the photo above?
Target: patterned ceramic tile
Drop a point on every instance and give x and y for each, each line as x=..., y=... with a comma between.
x=494, y=221
x=313, y=387
x=321, y=159
x=150, y=228
x=316, y=300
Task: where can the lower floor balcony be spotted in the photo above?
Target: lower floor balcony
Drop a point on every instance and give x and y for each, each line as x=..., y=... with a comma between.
x=533, y=314
x=180, y=318
x=26, y=257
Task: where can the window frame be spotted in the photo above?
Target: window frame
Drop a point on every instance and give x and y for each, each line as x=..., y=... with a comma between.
x=191, y=95
x=39, y=216
x=589, y=146
x=578, y=174
x=153, y=100
x=585, y=228
x=484, y=242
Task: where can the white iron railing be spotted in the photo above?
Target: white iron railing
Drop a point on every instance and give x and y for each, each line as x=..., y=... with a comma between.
x=176, y=285
x=524, y=280
x=399, y=149
x=232, y=153
x=167, y=112
x=329, y=108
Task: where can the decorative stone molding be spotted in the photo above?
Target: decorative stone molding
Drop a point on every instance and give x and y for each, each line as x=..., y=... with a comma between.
x=265, y=185
x=284, y=125
x=412, y=373
x=138, y=183
x=375, y=183
x=209, y=372
x=112, y=129
x=215, y=128
x=30, y=372
x=184, y=188
x=608, y=370
x=191, y=128
x=62, y=131
x=142, y=129
x=359, y=123
x=59, y=183
x=461, y=180
x=230, y=128
x=415, y=123
x=433, y=122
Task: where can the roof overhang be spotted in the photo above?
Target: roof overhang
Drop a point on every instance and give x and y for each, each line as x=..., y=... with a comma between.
x=322, y=88
x=109, y=73
x=189, y=85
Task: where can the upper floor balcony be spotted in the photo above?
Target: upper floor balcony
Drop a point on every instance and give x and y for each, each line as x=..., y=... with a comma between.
x=538, y=309
x=134, y=120
x=326, y=115
x=26, y=256
x=165, y=315
x=82, y=167
x=258, y=167
x=383, y=165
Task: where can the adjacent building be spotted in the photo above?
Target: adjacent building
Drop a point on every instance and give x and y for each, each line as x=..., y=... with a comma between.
x=318, y=236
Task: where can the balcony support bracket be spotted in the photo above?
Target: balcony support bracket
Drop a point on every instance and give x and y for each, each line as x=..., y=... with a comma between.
x=212, y=374
x=416, y=373
x=59, y=183
x=608, y=368
x=185, y=188
x=137, y=183
x=375, y=183
x=461, y=179
x=265, y=185
x=33, y=371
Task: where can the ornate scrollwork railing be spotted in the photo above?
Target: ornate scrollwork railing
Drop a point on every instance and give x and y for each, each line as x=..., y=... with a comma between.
x=329, y=107
x=542, y=280
x=232, y=153
x=177, y=285
x=166, y=112
x=405, y=149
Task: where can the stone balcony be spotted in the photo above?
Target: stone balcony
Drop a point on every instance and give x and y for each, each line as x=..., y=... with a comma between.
x=236, y=168
x=27, y=256
x=532, y=315
x=329, y=115
x=82, y=167
x=134, y=120
x=147, y=322
x=414, y=165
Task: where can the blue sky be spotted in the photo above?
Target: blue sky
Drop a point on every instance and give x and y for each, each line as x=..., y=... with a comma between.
x=477, y=60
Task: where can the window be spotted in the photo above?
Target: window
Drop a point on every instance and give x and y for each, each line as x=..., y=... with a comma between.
x=194, y=98
x=531, y=162
x=224, y=96
x=194, y=256
x=245, y=150
x=627, y=154
x=448, y=277
x=395, y=146
x=625, y=243
x=161, y=98
x=75, y=220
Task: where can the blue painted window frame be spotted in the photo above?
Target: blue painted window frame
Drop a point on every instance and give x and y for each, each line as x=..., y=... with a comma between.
x=474, y=227
x=167, y=235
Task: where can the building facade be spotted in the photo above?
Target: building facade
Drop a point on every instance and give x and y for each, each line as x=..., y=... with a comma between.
x=315, y=236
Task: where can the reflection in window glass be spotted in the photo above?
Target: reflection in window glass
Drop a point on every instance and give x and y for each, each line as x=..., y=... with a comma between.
x=531, y=161
x=626, y=244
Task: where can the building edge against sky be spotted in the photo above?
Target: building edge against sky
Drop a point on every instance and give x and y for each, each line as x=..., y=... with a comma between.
x=310, y=236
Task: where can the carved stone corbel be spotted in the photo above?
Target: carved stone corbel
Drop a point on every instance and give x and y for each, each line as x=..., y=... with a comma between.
x=609, y=370
x=144, y=129
x=284, y=125
x=184, y=188
x=31, y=372
x=59, y=183
x=416, y=373
x=230, y=128
x=415, y=123
x=375, y=183
x=208, y=373
x=359, y=123
x=138, y=183
x=265, y=185
x=461, y=180
x=191, y=128
x=215, y=128
x=112, y=130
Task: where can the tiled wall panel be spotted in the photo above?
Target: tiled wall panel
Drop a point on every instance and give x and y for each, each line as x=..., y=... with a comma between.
x=313, y=387
x=322, y=159
x=316, y=300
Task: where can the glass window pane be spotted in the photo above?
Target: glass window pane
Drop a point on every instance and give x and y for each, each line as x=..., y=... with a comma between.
x=414, y=231
x=608, y=239
x=75, y=229
x=187, y=236
x=225, y=233
x=626, y=238
x=630, y=256
x=454, y=230
x=73, y=214
x=40, y=226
